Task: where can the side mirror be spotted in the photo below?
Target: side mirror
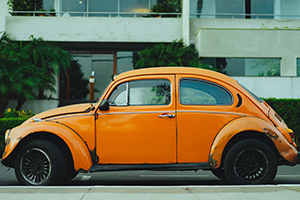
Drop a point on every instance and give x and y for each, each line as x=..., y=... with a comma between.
x=104, y=105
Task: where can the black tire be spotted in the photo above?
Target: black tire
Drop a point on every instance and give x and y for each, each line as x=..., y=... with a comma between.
x=250, y=162
x=70, y=174
x=39, y=162
x=219, y=172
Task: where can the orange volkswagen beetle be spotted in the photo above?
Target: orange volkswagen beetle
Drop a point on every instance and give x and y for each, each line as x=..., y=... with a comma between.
x=168, y=118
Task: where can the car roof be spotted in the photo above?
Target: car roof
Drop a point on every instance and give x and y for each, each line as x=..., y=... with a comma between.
x=176, y=70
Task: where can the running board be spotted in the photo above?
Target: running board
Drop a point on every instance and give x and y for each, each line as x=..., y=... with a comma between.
x=162, y=167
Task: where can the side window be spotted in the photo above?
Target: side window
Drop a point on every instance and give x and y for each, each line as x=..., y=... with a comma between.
x=196, y=92
x=142, y=92
x=119, y=96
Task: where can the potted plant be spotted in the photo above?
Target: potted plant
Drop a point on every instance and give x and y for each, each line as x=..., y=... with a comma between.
x=41, y=12
x=52, y=12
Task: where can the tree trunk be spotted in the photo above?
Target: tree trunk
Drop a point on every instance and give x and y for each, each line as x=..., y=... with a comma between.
x=21, y=101
x=41, y=94
x=3, y=104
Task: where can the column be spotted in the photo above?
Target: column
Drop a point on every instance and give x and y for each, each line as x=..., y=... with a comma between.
x=185, y=16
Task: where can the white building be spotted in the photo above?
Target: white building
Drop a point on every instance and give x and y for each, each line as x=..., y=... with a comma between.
x=245, y=37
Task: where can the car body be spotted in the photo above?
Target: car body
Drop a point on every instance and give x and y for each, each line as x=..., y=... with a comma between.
x=165, y=118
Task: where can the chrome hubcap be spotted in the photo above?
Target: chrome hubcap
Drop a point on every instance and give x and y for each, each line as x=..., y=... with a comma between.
x=251, y=165
x=35, y=166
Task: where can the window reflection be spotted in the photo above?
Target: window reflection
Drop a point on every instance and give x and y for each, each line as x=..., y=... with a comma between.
x=246, y=66
x=69, y=6
x=103, y=6
x=233, y=8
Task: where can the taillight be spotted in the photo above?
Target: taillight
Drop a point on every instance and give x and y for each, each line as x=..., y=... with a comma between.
x=292, y=134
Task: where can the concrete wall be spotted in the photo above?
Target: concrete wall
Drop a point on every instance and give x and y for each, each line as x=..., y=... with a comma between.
x=95, y=29
x=3, y=13
x=196, y=24
x=36, y=106
x=252, y=43
x=267, y=87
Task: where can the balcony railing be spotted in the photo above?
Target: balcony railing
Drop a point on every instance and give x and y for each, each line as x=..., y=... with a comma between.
x=244, y=16
x=158, y=15
x=94, y=14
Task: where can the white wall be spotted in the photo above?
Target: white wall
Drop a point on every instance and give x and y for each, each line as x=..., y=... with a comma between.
x=252, y=43
x=3, y=13
x=267, y=87
x=196, y=24
x=95, y=29
x=36, y=106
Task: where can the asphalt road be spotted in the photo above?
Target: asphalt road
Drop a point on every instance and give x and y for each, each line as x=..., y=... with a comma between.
x=285, y=175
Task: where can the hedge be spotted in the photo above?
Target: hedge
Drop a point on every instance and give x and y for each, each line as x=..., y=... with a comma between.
x=8, y=123
x=289, y=111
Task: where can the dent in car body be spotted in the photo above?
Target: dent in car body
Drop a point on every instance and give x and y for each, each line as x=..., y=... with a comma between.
x=250, y=124
x=79, y=150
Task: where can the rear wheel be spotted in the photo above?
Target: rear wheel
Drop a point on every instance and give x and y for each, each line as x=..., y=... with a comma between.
x=250, y=162
x=40, y=162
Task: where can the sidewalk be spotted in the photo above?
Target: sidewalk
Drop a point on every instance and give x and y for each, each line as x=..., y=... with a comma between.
x=264, y=192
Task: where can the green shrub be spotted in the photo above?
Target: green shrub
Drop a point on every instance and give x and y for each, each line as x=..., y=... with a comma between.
x=8, y=123
x=289, y=111
x=13, y=113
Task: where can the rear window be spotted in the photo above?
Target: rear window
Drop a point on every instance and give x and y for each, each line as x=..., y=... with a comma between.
x=200, y=92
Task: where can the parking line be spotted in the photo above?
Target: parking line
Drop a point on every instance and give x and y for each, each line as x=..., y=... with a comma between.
x=176, y=176
x=85, y=178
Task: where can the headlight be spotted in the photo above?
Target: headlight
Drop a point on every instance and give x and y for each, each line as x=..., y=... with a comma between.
x=7, y=133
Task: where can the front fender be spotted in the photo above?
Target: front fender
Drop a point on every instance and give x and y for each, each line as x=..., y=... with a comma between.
x=79, y=150
x=250, y=124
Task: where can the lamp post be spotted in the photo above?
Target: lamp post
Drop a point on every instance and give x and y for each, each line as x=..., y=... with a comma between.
x=92, y=83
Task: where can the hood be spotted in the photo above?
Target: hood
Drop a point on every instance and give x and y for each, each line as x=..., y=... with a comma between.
x=78, y=108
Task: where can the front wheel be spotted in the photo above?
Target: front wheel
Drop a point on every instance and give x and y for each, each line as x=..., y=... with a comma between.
x=39, y=162
x=250, y=161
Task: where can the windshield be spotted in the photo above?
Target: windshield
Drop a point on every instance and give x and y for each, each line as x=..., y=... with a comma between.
x=256, y=97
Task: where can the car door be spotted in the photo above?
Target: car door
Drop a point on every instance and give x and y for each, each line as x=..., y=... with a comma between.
x=203, y=108
x=140, y=125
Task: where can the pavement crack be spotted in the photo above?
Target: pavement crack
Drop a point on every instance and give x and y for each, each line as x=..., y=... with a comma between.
x=85, y=193
x=190, y=191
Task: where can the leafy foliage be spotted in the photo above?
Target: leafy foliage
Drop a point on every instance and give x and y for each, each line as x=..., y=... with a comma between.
x=13, y=113
x=272, y=64
x=289, y=111
x=174, y=54
x=78, y=84
x=49, y=59
x=27, y=68
x=165, y=6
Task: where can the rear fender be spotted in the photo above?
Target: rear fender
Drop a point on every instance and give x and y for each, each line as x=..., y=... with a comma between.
x=250, y=124
x=78, y=148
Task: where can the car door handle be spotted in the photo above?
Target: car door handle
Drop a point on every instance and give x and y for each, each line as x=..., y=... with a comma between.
x=166, y=115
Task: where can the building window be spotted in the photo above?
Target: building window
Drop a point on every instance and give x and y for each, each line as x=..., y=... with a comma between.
x=298, y=66
x=262, y=9
x=111, y=8
x=71, y=6
x=103, y=6
x=246, y=66
x=230, y=8
x=290, y=9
